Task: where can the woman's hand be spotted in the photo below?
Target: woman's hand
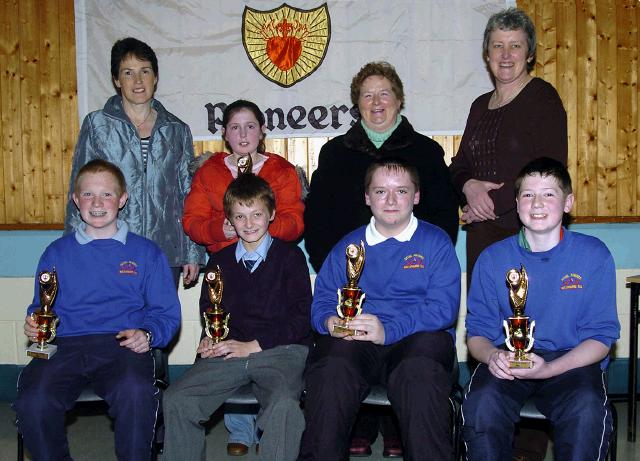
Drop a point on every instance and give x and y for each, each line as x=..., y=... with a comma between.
x=468, y=216
x=477, y=194
x=190, y=273
x=228, y=230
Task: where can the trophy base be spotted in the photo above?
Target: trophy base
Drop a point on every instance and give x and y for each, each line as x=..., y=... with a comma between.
x=347, y=330
x=522, y=363
x=37, y=353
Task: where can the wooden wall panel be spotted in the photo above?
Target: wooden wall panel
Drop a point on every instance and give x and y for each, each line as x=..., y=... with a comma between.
x=586, y=179
x=11, y=138
x=627, y=75
x=69, y=124
x=567, y=81
x=607, y=107
x=33, y=194
x=50, y=142
x=587, y=48
x=596, y=74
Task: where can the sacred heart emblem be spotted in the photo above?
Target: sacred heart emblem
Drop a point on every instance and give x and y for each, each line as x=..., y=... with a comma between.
x=286, y=44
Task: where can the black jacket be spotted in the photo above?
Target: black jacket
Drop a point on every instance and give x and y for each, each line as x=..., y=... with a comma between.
x=335, y=204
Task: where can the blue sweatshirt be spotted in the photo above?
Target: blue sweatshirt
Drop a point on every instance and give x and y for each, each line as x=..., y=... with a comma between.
x=572, y=292
x=105, y=286
x=410, y=286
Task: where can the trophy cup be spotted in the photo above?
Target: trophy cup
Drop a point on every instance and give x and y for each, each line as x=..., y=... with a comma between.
x=350, y=297
x=45, y=318
x=216, y=323
x=517, y=328
x=245, y=165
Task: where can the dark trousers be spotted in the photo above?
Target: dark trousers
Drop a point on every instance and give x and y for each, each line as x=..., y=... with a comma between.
x=124, y=379
x=575, y=403
x=418, y=374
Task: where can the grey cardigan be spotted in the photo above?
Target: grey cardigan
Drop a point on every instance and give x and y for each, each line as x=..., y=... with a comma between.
x=157, y=193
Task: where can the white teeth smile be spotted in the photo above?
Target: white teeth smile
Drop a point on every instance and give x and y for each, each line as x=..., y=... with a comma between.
x=97, y=214
x=539, y=215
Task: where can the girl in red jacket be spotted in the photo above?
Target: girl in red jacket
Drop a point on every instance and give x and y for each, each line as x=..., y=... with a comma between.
x=243, y=132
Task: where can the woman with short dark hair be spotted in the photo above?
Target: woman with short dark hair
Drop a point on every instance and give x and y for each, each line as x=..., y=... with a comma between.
x=152, y=147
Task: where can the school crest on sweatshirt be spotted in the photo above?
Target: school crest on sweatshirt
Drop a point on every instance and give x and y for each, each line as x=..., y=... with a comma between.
x=413, y=261
x=571, y=282
x=128, y=267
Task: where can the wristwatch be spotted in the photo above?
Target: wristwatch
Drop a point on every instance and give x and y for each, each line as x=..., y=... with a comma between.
x=148, y=334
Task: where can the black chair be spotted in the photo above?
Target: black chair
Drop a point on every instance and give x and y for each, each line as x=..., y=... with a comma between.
x=161, y=362
x=378, y=396
x=530, y=411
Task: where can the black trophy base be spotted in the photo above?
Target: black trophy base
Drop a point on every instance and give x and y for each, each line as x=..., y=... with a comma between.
x=45, y=353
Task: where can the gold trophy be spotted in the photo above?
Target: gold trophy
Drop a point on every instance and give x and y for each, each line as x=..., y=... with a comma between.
x=216, y=323
x=46, y=319
x=245, y=165
x=350, y=298
x=517, y=328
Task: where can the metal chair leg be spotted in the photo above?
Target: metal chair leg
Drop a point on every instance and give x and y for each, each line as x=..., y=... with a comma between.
x=20, y=447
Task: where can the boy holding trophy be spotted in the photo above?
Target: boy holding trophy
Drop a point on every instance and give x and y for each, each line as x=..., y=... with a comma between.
x=565, y=282
x=115, y=300
x=408, y=293
x=267, y=296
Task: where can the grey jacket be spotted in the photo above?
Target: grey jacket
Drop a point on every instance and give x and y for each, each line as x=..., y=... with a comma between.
x=156, y=195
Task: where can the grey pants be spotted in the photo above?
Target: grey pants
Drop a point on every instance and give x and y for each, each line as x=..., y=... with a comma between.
x=276, y=378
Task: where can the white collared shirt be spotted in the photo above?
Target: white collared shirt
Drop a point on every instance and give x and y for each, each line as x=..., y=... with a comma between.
x=374, y=237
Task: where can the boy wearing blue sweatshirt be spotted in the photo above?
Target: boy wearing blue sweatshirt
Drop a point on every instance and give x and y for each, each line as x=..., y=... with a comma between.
x=571, y=297
x=411, y=281
x=115, y=301
x=267, y=293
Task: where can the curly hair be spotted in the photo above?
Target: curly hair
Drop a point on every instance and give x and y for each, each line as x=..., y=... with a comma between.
x=381, y=69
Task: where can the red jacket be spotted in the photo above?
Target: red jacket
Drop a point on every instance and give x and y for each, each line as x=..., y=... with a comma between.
x=204, y=214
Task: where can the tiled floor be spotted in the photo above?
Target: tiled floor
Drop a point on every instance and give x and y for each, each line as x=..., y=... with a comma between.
x=91, y=438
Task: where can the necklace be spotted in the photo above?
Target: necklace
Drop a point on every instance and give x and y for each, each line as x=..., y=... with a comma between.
x=494, y=96
x=142, y=122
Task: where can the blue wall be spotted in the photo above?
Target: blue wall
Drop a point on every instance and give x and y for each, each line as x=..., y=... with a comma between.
x=20, y=250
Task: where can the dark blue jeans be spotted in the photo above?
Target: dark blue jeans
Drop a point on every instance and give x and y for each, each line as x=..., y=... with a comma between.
x=575, y=403
x=417, y=371
x=124, y=379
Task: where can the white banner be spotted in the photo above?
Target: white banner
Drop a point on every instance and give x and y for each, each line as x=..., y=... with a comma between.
x=434, y=45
